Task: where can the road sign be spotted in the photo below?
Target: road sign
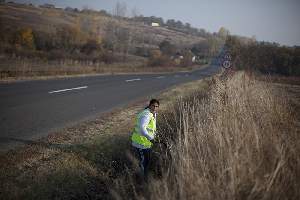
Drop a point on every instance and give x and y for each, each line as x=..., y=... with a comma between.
x=227, y=57
x=226, y=64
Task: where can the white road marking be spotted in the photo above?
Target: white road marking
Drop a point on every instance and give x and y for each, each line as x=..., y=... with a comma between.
x=69, y=89
x=160, y=77
x=137, y=79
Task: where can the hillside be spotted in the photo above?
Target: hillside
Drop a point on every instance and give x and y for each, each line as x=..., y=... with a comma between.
x=16, y=16
x=38, y=41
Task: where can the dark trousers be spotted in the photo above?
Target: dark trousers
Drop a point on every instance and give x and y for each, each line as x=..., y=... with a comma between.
x=144, y=156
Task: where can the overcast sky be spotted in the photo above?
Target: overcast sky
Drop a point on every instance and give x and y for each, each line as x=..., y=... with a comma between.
x=268, y=20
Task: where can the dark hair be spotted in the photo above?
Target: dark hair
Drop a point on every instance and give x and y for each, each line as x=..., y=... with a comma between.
x=152, y=101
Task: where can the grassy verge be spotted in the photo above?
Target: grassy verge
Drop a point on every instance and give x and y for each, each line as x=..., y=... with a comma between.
x=238, y=141
x=233, y=138
x=80, y=162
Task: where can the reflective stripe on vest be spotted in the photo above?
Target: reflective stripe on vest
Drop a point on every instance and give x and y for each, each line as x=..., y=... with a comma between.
x=137, y=136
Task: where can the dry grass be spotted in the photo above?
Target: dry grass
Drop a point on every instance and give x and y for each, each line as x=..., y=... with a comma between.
x=77, y=162
x=240, y=141
x=227, y=139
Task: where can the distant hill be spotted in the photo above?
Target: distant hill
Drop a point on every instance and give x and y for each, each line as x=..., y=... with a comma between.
x=39, y=36
x=16, y=16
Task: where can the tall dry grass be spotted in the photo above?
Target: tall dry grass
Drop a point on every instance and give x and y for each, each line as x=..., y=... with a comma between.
x=237, y=141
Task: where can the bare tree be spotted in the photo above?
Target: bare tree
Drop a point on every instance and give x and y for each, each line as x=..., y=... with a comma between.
x=135, y=13
x=119, y=37
x=120, y=10
x=137, y=41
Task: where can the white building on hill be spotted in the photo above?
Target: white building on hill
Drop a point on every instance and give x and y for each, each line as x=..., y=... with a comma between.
x=153, y=24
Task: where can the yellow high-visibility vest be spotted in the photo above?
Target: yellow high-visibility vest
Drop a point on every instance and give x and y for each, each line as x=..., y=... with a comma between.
x=137, y=136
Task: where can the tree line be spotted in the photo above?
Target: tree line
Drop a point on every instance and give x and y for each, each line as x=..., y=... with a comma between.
x=265, y=57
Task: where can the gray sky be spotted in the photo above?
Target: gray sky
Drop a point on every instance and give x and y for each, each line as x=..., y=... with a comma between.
x=269, y=20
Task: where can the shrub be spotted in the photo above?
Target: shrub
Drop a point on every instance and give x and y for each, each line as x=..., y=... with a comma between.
x=24, y=39
x=157, y=59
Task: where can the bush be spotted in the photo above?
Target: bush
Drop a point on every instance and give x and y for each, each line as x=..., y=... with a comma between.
x=45, y=41
x=187, y=59
x=167, y=48
x=142, y=51
x=24, y=38
x=157, y=59
x=57, y=54
x=91, y=46
x=107, y=57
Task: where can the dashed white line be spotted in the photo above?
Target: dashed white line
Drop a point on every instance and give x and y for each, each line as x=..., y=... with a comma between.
x=69, y=89
x=136, y=79
x=160, y=77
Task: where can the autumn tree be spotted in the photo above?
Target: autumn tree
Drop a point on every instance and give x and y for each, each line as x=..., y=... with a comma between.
x=215, y=44
x=223, y=33
x=24, y=39
x=69, y=37
x=156, y=58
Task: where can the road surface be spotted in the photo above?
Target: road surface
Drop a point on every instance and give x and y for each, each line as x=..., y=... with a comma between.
x=32, y=109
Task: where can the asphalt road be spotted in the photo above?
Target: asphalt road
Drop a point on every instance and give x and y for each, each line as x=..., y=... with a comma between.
x=32, y=109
